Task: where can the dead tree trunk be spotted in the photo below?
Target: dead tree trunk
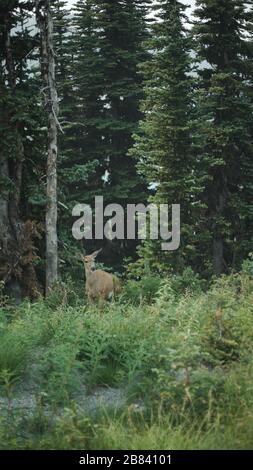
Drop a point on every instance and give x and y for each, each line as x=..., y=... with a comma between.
x=45, y=24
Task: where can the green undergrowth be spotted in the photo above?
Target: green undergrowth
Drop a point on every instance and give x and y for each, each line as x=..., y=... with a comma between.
x=182, y=356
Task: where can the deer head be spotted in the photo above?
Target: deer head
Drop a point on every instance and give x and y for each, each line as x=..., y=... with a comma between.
x=89, y=260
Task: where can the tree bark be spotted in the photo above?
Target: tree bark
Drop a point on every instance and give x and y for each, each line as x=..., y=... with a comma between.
x=45, y=24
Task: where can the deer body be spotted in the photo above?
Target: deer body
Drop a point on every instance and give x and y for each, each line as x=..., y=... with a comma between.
x=99, y=284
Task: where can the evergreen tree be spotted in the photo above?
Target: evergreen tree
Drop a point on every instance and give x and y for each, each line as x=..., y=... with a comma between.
x=82, y=146
x=76, y=162
x=106, y=48
x=124, y=29
x=22, y=109
x=20, y=149
x=163, y=143
x=225, y=129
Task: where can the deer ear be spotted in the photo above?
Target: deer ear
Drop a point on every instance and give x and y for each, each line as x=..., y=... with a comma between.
x=94, y=255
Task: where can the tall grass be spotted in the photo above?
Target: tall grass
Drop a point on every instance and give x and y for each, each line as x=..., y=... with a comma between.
x=184, y=362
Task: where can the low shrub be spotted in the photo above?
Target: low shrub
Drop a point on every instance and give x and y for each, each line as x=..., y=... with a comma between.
x=182, y=355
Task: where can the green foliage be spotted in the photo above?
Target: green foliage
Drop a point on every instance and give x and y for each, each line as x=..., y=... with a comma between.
x=187, y=281
x=60, y=369
x=247, y=265
x=13, y=353
x=182, y=356
x=100, y=93
x=65, y=293
x=223, y=137
x=162, y=144
x=144, y=290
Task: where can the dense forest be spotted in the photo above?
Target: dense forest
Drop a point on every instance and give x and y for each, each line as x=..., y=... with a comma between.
x=141, y=102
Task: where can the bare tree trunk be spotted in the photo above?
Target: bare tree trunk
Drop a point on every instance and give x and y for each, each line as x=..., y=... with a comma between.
x=45, y=24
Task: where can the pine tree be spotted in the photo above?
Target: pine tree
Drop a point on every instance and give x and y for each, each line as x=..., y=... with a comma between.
x=106, y=48
x=163, y=143
x=225, y=129
x=19, y=122
x=77, y=164
x=82, y=147
x=122, y=52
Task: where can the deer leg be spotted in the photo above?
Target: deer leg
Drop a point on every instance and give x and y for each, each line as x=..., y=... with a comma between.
x=90, y=298
x=101, y=302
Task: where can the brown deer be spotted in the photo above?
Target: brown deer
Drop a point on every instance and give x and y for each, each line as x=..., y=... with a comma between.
x=100, y=285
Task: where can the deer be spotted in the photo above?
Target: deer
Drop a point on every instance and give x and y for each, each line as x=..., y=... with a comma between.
x=99, y=285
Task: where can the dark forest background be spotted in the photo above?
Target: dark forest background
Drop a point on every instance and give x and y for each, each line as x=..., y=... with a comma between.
x=153, y=107
x=137, y=102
